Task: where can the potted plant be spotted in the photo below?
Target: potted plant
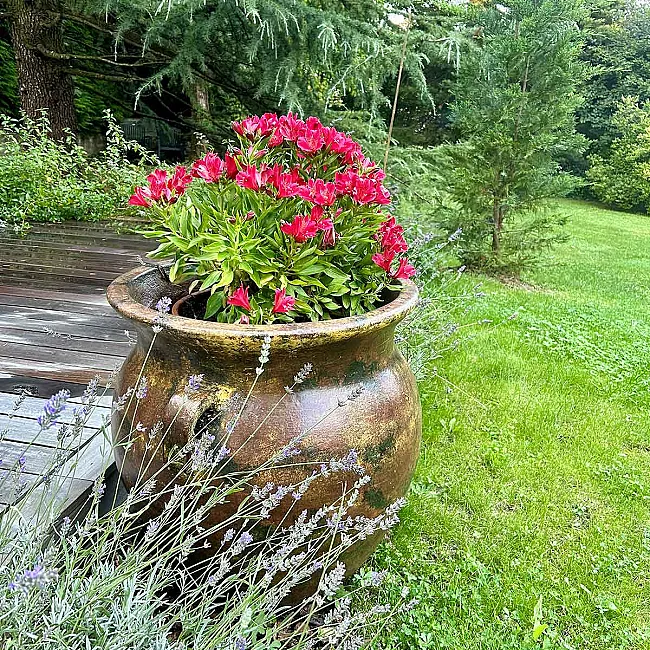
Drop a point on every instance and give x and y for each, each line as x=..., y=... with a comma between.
x=283, y=246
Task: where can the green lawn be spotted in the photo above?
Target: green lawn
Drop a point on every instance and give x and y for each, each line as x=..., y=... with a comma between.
x=529, y=519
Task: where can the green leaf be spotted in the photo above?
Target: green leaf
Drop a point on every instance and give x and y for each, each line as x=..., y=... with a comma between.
x=210, y=280
x=226, y=278
x=215, y=302
x=538, y=630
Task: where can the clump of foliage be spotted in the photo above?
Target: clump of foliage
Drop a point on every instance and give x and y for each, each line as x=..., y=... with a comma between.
x=617, y=55
x=297, y=216
x=514, y=107
x=621, y=178
x=126, y=575
x=44, y=180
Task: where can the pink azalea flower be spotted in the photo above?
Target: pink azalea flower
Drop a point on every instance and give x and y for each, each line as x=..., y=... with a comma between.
x=140, y=197
x=239, y=298
x=267, y=123
x=271, y=175
x=247, y=128
x=382, y=195
x=287, y=187
x=311, y=141
x=180, y=180
x=282, y=303
x=318, y=191
x=345, y=181
x=392, y=236
x=158, y=185
x=364, y=191
x=290, y=127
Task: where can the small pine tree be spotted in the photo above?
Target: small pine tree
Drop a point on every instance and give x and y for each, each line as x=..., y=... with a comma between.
x=514, y=106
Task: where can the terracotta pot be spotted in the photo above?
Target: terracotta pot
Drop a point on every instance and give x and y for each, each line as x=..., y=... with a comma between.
x=383, y=424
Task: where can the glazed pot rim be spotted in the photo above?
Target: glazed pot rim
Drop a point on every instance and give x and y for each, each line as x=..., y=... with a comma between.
x=121, y=299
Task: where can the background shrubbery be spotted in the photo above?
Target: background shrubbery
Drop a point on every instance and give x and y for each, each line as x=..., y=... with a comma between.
x=622, y=177
x=44, y=180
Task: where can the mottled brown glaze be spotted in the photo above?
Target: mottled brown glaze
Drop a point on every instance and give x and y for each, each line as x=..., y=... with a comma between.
x=383, y=424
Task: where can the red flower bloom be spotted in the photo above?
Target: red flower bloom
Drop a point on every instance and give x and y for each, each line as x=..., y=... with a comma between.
x=287, y=187
x=276, y=138
x=318, y=191
x=329, y=136
x=282, y=303
x=370, y=169
x=239, y=298
x=317, y=212
x=323, y=222
x=271, y=175
x=302, y=228
x=250, y=177
x=267, y=123
x=405, y=270
x=364, y=191
x=158, y=185
x=392, y=236
x=345, y=146
x=345, y=181
x=382, y=195
x=209, y=168
x=290, y=127
x=384, y=260
x=247, y=128
x=312, y=140
x=180, y=180
x=140, y=197
x=231, y=166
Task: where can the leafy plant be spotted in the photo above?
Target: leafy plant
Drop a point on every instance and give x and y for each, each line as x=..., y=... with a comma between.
x=290, y=225
x=621, y=177
x=44, y=180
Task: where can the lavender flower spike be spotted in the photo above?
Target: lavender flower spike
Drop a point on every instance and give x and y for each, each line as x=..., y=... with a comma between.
x=194, y=383
x=53, y=409
x=164, y=305
x=38, y=577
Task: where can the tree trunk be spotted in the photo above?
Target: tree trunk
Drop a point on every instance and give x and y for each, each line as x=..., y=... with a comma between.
x=42, y=81
x=497, y=225
x=200, y=101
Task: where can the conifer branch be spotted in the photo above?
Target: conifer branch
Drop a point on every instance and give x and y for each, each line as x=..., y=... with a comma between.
x=60, y=56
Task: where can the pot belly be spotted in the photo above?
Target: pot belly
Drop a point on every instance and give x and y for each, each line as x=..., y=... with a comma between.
x=382, y=423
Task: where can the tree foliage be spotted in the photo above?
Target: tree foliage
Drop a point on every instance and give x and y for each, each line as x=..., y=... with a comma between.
x=617, y=55
x=514, y=108
x=622, y=177
x=205, y=62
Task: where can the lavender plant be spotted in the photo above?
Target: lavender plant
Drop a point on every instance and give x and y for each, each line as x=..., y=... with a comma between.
x=121, y=579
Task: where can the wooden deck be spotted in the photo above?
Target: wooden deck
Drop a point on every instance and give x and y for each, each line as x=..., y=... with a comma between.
x=57, y=331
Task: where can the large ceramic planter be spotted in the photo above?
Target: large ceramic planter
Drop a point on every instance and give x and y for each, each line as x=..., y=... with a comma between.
x=383, y=424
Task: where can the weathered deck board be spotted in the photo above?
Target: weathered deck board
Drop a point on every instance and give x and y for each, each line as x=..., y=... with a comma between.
x=57, y=331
